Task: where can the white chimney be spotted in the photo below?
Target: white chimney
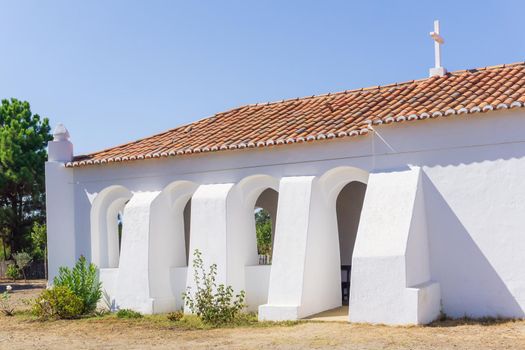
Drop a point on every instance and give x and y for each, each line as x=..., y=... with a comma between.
x=60, y=149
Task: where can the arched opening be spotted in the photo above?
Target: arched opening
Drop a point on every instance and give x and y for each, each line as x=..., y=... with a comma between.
x=349, y=203
x=332, y=227
x=255, y=197
x=265, y=212
x=107, y=226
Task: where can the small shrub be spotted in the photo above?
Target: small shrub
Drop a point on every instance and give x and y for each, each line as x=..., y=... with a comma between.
x=58, y=302
x=12, y=272
x=127, y=313
x=5, y=304
x=215, y=305
x=175, y=316
x=22, y=259
x=83, y=281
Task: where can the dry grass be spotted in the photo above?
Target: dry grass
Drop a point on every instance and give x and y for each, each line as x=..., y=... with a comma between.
x=109, y=332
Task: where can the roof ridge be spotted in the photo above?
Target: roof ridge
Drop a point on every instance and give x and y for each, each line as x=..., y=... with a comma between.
x=376, y=87
x=180, y=135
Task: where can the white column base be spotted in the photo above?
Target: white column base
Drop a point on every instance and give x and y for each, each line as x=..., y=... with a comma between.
x=164, y=305
x=278, y=313
x=428, y=297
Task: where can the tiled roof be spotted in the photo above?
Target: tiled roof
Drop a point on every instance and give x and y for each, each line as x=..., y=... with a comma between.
x=342, y=114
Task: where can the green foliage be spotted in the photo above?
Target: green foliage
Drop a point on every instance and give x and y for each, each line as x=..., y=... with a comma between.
x=23, y=141
x=175, y=316
x=12, y=272
x=127, y=313
x=39, y=241
x=215, y=305
x=58, y=302
x=5, y=304
x=83, y=281
x=22, y=260
x=263, y=229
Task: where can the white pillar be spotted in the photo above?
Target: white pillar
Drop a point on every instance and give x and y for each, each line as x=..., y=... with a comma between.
x=132, y=288
x=390, y=281
x=60, y=203
x=209, y=225
x=286, y=289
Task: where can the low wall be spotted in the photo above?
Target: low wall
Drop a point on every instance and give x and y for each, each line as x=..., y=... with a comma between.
x=257, y=283
x=35, y=271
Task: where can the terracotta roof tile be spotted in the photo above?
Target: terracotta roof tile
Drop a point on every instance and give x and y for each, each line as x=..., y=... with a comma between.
x=328, y=116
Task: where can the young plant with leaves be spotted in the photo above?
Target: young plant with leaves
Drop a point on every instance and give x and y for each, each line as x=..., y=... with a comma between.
x=215, y=305
x=6, y=306
x=83, y=281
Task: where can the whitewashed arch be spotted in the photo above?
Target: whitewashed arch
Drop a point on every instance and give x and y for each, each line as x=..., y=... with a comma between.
x=252, y=186
x=104, y=226
x=248, y=191
x=335, y=179
x=168, y=241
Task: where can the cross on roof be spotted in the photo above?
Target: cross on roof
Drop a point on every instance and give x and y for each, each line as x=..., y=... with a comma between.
x=438, y=70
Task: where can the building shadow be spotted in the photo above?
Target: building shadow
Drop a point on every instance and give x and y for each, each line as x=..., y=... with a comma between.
x=471, y=288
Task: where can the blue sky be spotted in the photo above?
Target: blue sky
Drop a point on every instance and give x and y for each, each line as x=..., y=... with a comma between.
x=114, y=71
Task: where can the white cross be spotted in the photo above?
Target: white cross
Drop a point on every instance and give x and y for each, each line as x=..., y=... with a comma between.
x=438, y=41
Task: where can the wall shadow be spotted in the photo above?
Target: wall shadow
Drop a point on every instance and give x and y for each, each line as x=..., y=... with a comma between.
x=470, y=286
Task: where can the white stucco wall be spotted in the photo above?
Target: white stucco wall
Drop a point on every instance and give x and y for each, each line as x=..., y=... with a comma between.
x=471, y=188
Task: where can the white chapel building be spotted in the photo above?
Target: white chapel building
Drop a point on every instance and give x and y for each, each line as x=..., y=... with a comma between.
x=413, y=191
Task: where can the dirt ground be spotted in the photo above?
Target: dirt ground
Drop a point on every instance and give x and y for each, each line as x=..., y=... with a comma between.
x=110, y=333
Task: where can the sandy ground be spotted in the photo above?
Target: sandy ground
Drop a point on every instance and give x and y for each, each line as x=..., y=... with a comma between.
x=23, y=333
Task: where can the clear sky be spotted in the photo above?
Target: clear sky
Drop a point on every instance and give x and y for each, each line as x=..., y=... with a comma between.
x=114, y=71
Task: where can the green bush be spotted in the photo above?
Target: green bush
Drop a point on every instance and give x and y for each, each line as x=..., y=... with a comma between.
x=175, y=316
x=22, y=259
x=58, y=302
x=215, y=305
x=127, y=313
x=12, y=272
x=83, y=281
